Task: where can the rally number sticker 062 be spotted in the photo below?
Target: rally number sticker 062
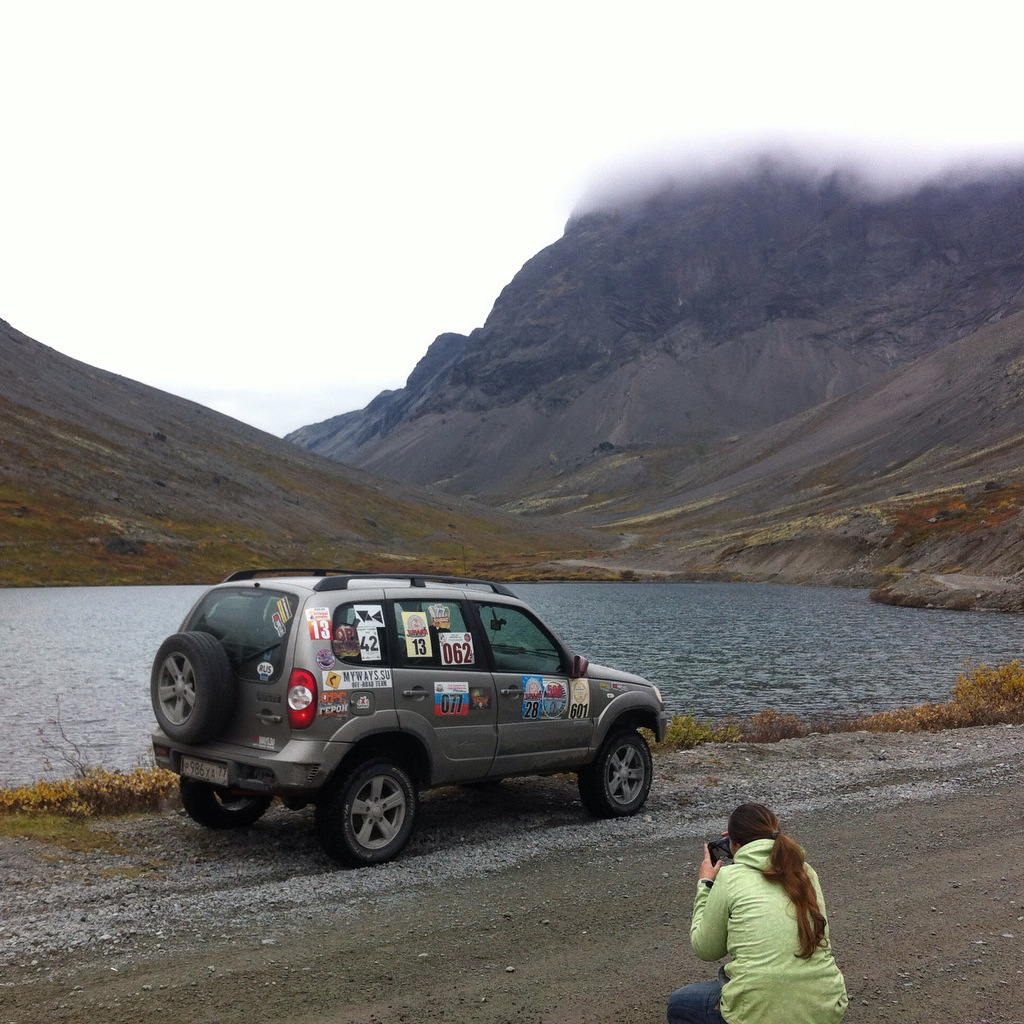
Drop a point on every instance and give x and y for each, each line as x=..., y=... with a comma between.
x=456, y=648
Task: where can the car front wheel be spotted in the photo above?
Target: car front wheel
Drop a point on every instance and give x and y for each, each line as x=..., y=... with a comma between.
x=369, y=817
x=618, y=780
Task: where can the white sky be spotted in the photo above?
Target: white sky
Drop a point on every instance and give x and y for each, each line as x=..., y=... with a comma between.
x=274, y=208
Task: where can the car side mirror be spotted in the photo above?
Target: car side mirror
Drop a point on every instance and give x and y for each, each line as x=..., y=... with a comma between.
x=579, y=666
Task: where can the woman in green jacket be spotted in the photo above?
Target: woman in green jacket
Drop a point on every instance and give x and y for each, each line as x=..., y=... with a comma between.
x=766, y=911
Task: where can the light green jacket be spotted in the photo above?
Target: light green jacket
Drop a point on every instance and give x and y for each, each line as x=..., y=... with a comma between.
x=754, y=921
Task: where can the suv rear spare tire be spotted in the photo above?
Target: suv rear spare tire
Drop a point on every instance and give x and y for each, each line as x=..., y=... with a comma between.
x=369, y=817
x=616, y=783
x=192, y=687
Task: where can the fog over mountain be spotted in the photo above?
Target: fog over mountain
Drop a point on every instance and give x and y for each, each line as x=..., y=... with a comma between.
x=710, y=308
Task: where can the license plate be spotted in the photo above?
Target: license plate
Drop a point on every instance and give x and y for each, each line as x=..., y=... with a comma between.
x=205, y=770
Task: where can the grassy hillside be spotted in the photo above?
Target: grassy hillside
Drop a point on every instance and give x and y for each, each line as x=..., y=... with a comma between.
x=104, y=480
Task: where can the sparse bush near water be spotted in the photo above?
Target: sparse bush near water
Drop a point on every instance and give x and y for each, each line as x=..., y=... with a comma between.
x=97, y=792
x=981, y=696
x=685, y=731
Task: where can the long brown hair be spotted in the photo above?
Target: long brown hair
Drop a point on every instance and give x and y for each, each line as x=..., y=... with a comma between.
x=754, y=821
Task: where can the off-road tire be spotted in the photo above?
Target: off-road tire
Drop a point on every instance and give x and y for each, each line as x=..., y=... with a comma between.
x=369, y=817
x=618, y=780
x=215, y=807
x=192, y=687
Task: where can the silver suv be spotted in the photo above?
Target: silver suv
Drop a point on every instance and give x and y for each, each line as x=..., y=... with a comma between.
x=353, y=692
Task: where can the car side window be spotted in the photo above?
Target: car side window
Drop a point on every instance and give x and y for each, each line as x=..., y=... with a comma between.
x=518, y=642
x=434, y=634
x=359, y=636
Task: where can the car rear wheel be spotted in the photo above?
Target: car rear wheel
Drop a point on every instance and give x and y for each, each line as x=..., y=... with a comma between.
x=191, y=687
x=369, y=817
x=215, y=807
x=618, y=780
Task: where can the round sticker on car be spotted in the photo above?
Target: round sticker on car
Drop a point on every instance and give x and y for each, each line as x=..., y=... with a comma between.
x=556, y=697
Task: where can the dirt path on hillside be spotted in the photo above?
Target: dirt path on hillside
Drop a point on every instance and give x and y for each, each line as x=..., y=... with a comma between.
x=540, y=917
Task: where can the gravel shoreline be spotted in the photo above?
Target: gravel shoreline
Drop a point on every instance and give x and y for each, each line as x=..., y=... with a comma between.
x=172, y=889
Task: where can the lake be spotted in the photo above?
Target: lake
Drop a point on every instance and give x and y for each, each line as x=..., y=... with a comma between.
x=81, y=656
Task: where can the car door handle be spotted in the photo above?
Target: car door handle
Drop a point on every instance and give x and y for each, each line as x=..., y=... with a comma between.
x=268, y=717
x=512, y=693
x=415, y=694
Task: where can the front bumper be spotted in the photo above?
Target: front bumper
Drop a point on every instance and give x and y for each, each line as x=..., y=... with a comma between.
x=661, y=727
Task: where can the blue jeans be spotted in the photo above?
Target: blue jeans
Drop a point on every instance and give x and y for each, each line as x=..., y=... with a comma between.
x=697, y=1003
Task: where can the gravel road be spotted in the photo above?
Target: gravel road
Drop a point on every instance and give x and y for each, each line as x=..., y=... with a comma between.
x=511, y=906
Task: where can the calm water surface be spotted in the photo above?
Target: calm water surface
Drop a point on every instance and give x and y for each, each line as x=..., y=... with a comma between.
x=83, y=654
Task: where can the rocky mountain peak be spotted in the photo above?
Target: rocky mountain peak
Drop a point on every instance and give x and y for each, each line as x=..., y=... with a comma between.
x=701, y=310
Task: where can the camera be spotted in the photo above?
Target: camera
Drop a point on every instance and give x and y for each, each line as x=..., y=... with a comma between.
x=720, y=850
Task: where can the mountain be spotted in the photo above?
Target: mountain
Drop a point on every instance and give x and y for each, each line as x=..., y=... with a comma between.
x=105, y=480
x=707, y=310
x=921, y=471
x=769, y=376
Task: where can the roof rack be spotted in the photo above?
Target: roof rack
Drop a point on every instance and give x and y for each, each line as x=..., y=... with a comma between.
x=251, y=574
x=338, y=579
x=414, y=580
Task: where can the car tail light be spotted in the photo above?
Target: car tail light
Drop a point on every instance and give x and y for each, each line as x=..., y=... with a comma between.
x=301, y=699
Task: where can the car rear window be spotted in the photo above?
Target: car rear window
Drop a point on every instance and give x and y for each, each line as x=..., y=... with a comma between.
x=252, y=626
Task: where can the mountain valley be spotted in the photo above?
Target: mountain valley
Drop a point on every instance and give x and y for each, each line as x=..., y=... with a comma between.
x=770, y=376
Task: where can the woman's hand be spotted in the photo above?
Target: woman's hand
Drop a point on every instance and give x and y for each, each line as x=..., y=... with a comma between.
x=707, y=869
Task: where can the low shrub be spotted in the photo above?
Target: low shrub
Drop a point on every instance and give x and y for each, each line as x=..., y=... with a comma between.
x=919, y=718
x=685, y=732
x=97, y=792
x=769, y=726
x=981, y=696
x=991, y=696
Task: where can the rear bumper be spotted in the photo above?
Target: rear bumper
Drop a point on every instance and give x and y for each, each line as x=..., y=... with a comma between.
x=297, y=769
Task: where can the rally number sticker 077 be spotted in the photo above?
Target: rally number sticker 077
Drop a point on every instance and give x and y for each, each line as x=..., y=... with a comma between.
x=451, y=699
